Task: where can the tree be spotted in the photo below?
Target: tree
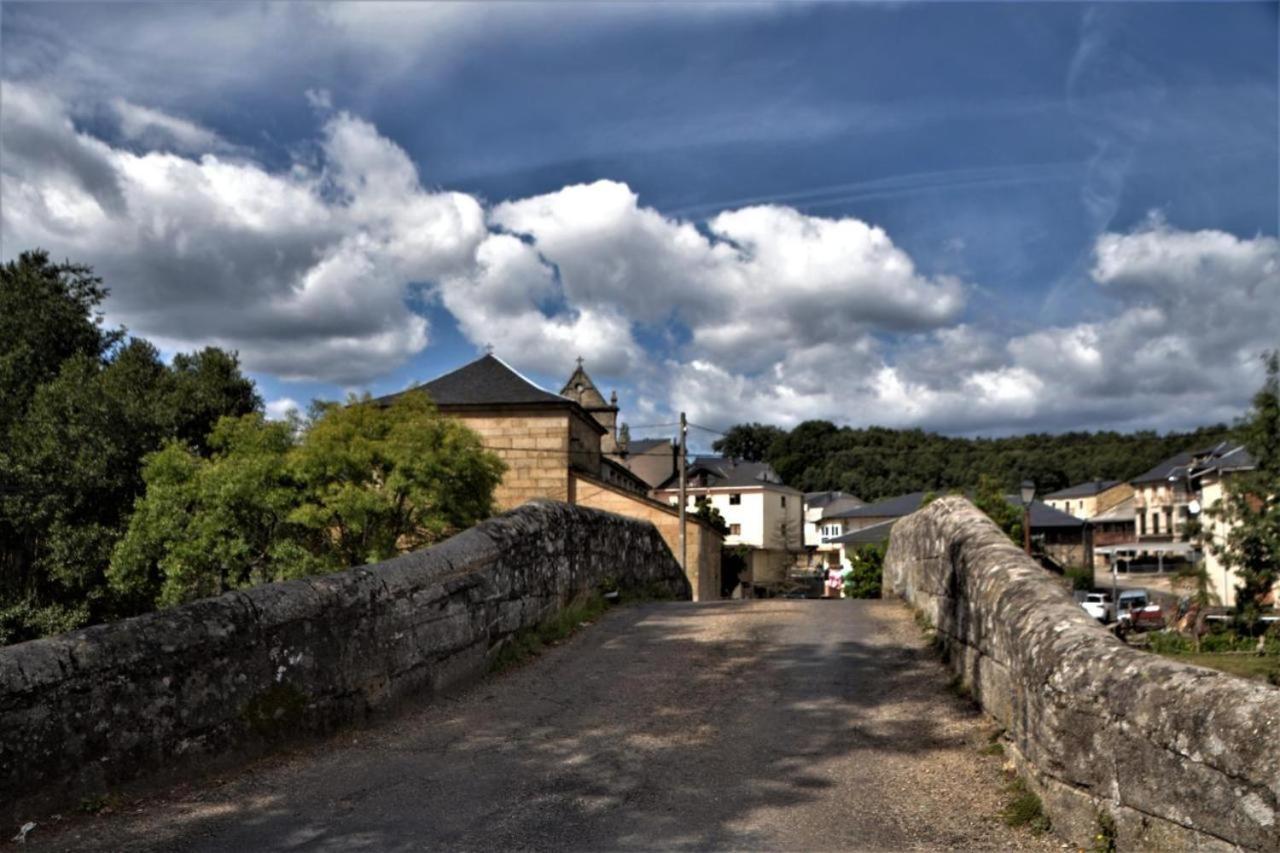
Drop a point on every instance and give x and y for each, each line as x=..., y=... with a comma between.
x=80, y=408
x=748, y=442
x=1250, y=506
x=708, y=513
x=208, y=385
x=867, y=575
x=991, y=499
x=48, y=314
x=358, y=484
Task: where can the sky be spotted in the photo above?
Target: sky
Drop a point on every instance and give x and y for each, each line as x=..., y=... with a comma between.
x=966, y=217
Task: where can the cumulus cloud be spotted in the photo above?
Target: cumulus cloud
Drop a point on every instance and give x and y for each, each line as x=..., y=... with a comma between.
x=156, y=129
x=1192, y=311
x=305, y=271
x=759, y=313
x=759, y=284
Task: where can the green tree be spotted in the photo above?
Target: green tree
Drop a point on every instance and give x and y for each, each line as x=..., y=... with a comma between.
x=991, y=499
x=866, y=579
x=80, y=408
x=748, y=442
x=206, y=386
x=708, y=513
x=48, y=314
x=383, y=480
x=357, y=484
x=1250, y=506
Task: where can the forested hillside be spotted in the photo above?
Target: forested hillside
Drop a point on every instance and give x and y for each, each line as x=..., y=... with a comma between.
x=875, y=462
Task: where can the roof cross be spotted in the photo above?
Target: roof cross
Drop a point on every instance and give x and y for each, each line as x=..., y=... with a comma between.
x=579, y=361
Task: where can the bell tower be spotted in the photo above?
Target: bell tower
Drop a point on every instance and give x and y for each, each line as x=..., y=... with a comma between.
x=583, y=391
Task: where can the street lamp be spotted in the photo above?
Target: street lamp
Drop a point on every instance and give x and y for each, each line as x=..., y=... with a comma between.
x=1028, y=491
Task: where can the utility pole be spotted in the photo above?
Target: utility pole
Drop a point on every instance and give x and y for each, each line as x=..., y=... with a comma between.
x=684, y=545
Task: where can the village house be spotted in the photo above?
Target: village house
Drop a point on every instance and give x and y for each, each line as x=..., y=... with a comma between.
x=654, y=460
x=1085, y=500
x=820, y=526
x=1211, y=479
x=553, y=448
x=1062, y=537
x=763, y=514
x=1166, y=501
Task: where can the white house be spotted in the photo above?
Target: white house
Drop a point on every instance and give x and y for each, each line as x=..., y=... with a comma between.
x=820, y=523
x=763, y=514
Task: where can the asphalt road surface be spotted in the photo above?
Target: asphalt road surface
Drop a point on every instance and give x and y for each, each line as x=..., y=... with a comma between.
x=778, y=724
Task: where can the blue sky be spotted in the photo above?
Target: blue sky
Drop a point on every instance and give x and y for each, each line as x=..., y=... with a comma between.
x=976, y=218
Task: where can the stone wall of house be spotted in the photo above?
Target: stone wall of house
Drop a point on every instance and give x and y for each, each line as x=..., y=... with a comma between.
x=159, y=697
x=585, y=444
x=1176, y=756
x=535, y=447
x=703, y=543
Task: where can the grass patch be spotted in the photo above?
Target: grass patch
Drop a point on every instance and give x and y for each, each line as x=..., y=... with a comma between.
x=529, y=642
x=996, y=749
x=1257, y=667
x=1024, y=808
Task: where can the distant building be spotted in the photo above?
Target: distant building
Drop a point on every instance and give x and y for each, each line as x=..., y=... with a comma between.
x=552, y=447
x=1212, y=479
x=819, y=523
x=1063, y=537
x=763, y=513
x=653, y=460
x=1085, y=500
x=583, y=391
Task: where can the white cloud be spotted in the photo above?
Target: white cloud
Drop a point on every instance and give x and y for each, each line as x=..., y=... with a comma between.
x=281, y=408
x=761, y=283
x=761, y=313
x=157, y=129
x=305, y=271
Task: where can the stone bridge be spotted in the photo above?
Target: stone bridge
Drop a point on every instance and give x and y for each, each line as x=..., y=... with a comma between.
x=231, y=724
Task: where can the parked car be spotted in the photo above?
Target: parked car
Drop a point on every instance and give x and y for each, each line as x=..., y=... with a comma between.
x=1134, y=609
x=1098, y=605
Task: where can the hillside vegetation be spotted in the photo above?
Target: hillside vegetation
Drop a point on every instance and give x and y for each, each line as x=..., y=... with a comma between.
x=877, y=462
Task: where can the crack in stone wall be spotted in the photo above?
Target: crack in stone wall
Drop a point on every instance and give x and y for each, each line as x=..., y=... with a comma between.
x=1180, y=756
x=161, y=697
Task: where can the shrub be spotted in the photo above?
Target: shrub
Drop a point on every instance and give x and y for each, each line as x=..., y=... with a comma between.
x=1081, y=578
x=868, y=572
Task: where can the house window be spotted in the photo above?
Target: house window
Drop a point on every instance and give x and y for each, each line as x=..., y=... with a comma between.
x=1155, y=524
x=735, y=499
x=735, y=529
x=784, y=500
x=1142, y=525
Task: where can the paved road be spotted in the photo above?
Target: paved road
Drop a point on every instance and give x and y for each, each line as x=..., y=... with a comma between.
x=802, y=725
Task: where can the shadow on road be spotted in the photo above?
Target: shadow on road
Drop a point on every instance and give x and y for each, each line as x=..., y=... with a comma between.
x=760, y=724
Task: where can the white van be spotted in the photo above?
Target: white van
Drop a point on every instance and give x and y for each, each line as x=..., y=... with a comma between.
x=1129, y=601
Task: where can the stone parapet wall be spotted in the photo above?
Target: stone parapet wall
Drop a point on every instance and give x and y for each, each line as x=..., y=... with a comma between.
x=1177, y=756
x=168, y=694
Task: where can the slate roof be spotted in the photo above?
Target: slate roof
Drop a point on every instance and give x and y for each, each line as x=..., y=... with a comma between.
x=490, y=382
x=1043, y=515
x=728, y=473
x=888, y=508
x=822, y=499
x=1225, y=456
x=1084, y=490
x=840, y=505
x=871, y=535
